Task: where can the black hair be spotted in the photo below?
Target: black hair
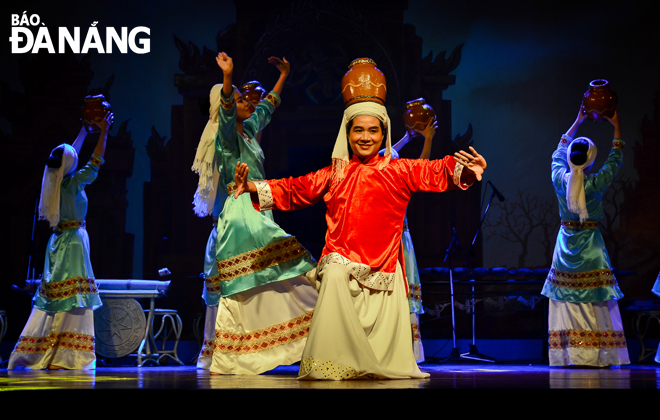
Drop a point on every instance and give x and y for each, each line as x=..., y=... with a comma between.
x=579, y=149
x=349, y=125
x=55, y=159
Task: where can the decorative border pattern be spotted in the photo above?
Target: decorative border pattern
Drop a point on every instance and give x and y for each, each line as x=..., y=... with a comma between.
x=272, y=99
x=458, y=171
x=96, y=160
x=65, y=340
x=71, y=224
x=227, y=105
x=577, y=225
x=565, y=140
x=376, y=280
x=265, y=195
x=212, y=284
x=586, y=339
x=582, y=280
x=263, y=339
x=416, y=336
x=207, y=348
x=618, y=144
x=259, y=259
x=415, y=292
x=327, y=369
x=67, y=288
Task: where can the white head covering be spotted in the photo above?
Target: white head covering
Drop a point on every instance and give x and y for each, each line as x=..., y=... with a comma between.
x=49, y=203
x=340, y=152
x=205, y=163
x=575, y=196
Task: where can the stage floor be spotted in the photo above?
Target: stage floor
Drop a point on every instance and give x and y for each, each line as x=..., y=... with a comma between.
x=444, y=376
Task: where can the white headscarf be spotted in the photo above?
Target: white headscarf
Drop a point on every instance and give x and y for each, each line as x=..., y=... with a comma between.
x=340, y=151
x=205, y=163
x=575, y=196
x=49, y=203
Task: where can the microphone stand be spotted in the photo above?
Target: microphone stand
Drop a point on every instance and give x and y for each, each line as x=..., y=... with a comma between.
x=455, y=355
x=474, y=352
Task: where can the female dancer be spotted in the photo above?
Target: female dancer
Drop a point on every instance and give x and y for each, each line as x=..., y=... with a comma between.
x=264, y=313
x=59, y=333
x=585, y=326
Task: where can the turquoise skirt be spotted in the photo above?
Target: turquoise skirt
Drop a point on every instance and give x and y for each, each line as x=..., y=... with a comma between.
x=68, y=279
x=252, y=250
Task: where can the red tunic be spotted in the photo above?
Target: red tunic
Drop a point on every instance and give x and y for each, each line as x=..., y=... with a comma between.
x=365, y=210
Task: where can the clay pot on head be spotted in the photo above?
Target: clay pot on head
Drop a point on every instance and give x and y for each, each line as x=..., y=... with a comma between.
x=253, y=92
x=599, y=100
x=363, y=82
x=418, y=115
x=94, y=109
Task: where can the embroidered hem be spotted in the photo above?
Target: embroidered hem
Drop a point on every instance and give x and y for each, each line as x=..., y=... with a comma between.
x=259, y=259
x=263, y=339
x=65, y=340
x=328, y=369
x=582, y=280
x=376, y=280
x=67, y=288
x=586, y=339
x=577, y=225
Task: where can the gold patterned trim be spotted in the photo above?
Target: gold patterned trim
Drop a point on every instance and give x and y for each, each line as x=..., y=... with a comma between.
x=71, y=224
x=415, y=292
x=227, y=105
x=586, y=339
x=231, y=188
x=581, y=280
x=207, y=348
x=415, y=333
x=67, y=288
x=618, y=144
x=260, y=259
x=273, y=100
x=376, y=280
x=327, y=369
x=577, y=225
x=96, y=161
x=212, y=284
x=65, y=340
x=458, y=171
x=265, y=338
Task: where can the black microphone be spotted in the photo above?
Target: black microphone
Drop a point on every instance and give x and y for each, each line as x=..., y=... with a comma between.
x=497, y=193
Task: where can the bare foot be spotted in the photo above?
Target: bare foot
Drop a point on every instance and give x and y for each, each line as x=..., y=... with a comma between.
x=55, y=367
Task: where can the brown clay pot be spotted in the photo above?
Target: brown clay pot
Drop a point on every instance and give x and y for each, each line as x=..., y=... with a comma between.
x=418, y=115
x=363, y=82
x=253, y=92
x=599, y=100
x=94, y=109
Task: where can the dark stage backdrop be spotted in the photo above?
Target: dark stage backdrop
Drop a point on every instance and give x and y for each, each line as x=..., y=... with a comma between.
x=506, y=78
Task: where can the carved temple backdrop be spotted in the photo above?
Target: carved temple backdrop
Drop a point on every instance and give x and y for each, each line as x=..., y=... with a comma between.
x=506, y=57
x=319, y=43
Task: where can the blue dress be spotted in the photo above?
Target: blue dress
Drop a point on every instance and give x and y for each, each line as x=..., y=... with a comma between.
x=581, y=284
x=60, y=329
x=68, y=279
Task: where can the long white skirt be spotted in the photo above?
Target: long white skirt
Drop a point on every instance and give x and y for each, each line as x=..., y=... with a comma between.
x=206, y=354
x=64, y=339
x=264, y=327
x=586, y=334
x=358, y=333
